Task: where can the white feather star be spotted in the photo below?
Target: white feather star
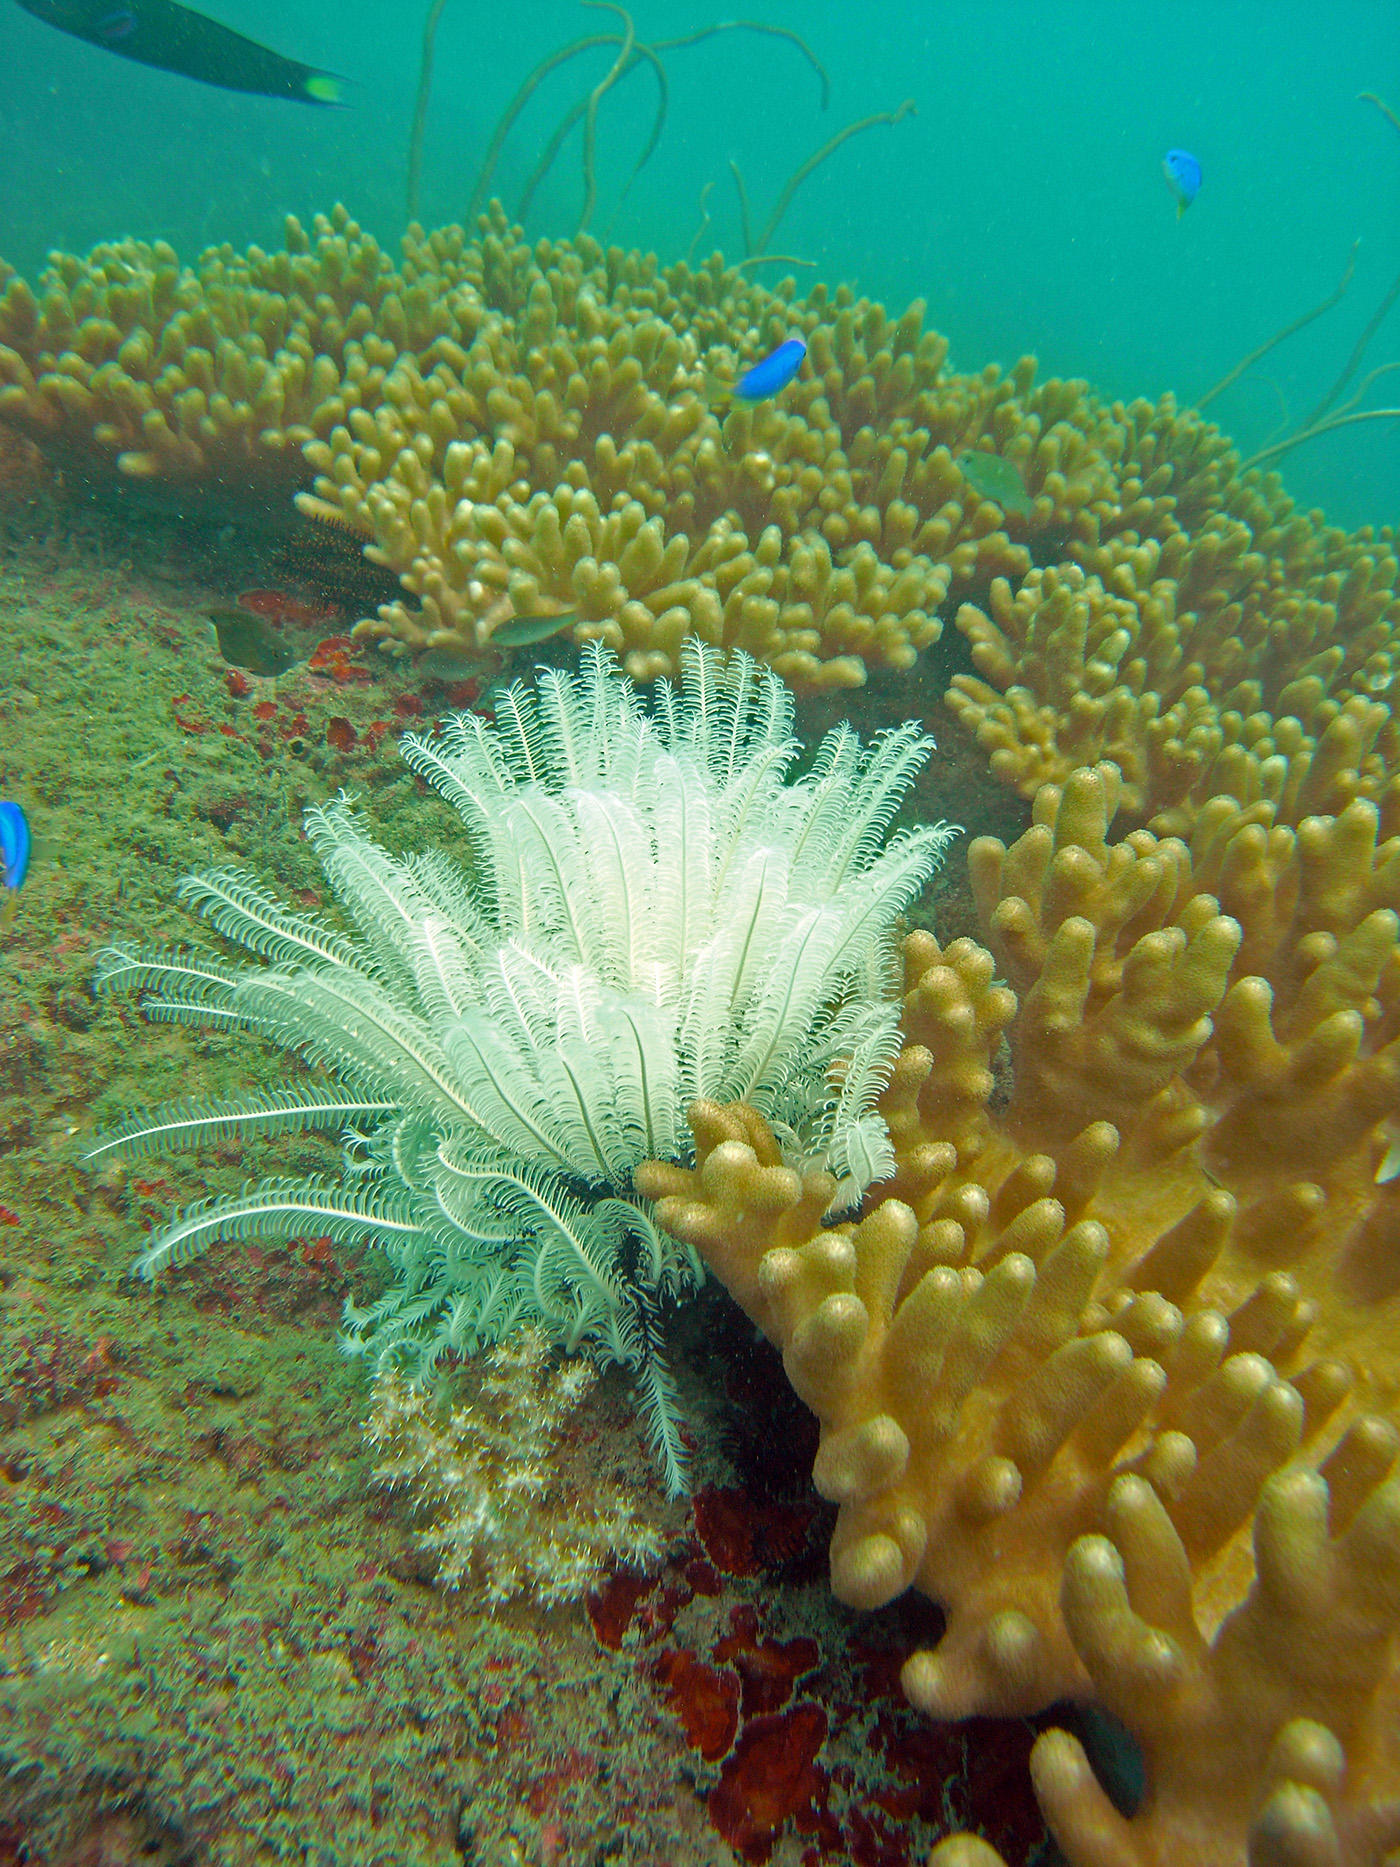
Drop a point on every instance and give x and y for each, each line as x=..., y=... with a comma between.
x=651, y=914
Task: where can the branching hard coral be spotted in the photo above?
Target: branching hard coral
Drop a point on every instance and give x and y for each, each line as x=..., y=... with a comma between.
x=207, y=379
x=652, y=913
x=512, y=1505
x=518, y=431
x=1108, y=1367
x=1201, y=635
x=499, y=422
x=1237, y=1767
x=1273, y=1734
x=563, y=458
x=1105, y=1360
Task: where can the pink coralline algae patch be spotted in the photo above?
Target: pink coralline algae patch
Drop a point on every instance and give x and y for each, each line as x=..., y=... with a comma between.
x=50, y=1366
x=283, y=609
x=772, y=1777
x=741, y=1539
x=793, y=1708
x=704, y=1698
x=304, y=1281
x=767, y=1668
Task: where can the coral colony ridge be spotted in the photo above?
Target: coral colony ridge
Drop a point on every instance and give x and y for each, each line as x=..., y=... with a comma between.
x=650, y=914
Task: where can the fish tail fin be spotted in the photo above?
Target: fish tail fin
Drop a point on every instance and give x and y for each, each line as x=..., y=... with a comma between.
x=1180, y=207
x=323, y=87
x=719, y=392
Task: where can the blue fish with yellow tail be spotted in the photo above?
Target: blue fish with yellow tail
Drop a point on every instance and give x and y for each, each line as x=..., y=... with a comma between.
x=763, y=379
x=176, y=38
x=1183, y=175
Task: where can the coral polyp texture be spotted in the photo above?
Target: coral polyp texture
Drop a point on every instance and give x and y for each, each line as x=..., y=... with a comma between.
x=523, y=432
x=1108, y=1367
x=511, y=1503
x=650, y=913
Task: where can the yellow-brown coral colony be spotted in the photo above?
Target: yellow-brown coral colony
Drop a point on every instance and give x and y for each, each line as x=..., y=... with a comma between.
x=1111, y=1367
x=210, y=378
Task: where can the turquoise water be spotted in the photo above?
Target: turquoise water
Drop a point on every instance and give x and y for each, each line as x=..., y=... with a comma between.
x=1024, y=200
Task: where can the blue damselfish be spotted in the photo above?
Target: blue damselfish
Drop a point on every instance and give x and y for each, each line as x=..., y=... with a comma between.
x=775, y=372
x=14, y=843
x=1183, y=173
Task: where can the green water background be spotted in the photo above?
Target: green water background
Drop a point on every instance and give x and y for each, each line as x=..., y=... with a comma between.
x=1024, y=201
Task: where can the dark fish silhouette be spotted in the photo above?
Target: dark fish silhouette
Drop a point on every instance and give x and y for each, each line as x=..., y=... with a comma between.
x=175, y=38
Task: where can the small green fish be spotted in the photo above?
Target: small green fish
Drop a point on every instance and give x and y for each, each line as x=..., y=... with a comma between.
x=525, y=631
x=442, y=664
x=247, y=641
x=995, y=478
